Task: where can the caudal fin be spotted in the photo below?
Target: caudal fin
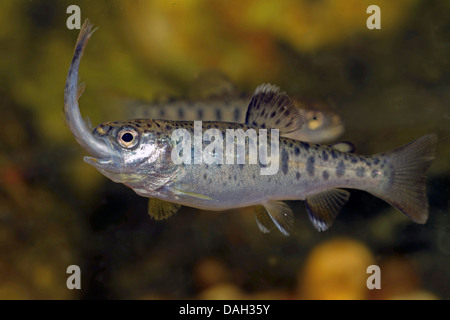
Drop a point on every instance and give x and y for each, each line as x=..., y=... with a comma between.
x=407, y=190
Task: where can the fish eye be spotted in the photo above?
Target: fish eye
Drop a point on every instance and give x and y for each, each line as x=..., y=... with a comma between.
x=315, y=120
x=127, y=138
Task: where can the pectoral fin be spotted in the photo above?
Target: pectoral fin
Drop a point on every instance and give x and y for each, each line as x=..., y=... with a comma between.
x=343, y=146
x=192, y=194
x=324, y=207
x=160, y=209
x=274, y=212
x=271, y=109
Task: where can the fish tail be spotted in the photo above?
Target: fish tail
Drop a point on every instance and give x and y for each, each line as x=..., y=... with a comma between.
x=406, y=189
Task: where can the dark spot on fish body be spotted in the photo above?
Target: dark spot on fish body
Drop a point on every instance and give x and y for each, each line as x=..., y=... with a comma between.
x=340, y=169
x=284, y=161
x=168, y=127
x=272, y=115
x=297, y=151
x=325, y=175
x=324, y=156
x=253, y=176
x=376, y=160
x=229, y=177
x=333, y=154
x=304, y=145
x=310, y=165
x=354, y=159
x=360, y=172
x=297, y=175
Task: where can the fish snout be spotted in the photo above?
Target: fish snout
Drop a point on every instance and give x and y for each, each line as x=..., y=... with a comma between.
x=101, y=130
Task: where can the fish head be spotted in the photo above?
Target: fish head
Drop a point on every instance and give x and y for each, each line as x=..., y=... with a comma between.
x=137, y=157
x=322, y=123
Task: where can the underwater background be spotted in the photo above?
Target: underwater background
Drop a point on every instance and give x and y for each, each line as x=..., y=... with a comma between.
x=390, y=86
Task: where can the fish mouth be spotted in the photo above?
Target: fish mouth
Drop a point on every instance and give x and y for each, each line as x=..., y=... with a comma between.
x=105, y=160
x=107, y=166
x=112, y=169
x=95, y=162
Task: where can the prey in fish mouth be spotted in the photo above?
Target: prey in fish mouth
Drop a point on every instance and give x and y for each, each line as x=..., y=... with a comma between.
x=139, y=154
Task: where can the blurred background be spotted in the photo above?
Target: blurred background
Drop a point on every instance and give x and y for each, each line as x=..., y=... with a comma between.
x=390, y=86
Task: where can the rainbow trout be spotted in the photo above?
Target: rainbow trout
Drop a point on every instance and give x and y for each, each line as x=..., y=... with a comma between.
x=140, y=154
x=322, y=122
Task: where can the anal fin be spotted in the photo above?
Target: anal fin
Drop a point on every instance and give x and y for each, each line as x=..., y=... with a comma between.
x=275, y=213
x=323, y=207
x=160, y=209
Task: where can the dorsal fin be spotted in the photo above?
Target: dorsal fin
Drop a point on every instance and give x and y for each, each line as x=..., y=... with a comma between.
x=323, y=207
x=160, y=209
x=271, y=109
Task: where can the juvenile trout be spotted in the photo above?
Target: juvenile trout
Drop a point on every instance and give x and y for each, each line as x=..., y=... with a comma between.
x=322, y=122
x=139, y=154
